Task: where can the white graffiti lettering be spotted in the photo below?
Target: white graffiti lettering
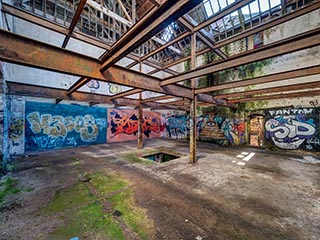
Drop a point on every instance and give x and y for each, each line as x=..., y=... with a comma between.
x=295, y=111
x=288, y=133
x=59, y=126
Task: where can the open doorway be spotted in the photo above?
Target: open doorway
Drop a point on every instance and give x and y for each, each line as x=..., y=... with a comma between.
x=256, y=130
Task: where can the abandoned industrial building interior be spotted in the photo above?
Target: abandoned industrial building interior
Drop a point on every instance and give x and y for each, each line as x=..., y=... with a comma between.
x=160, y=119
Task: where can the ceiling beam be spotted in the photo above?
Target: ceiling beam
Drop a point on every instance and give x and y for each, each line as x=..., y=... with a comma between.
x=299, y=42
x=54, y=93
x=42, y=22
x=230, y=9
x=154, y=21
x=39, y=21
x=126, y=93
x=17, y=49
x=202, y=35
x=166, y=45
x=74, y=21
x=287, y=88
x=218, y=102
x=259, y=28
x=276, y=96
x=154, y=99
x=302, y=72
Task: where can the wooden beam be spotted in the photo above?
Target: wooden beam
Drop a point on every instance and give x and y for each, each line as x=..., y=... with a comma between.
x=73, y=23
x=28, y=52
x=292, y=87
x=277, y=96
x=299, y=42
x=302, y=72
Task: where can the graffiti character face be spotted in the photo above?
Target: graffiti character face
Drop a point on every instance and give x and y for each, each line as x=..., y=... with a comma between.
x=289, y=132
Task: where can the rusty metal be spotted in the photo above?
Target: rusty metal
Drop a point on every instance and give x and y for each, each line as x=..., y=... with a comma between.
x=74, y=21
x=299, y=42
x=302, y=72
x=140, y=123
x=152, y=23
x=292, y=87
x=277, y=96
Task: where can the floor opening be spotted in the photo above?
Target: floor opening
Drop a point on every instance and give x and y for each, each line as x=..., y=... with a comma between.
x=161, y=157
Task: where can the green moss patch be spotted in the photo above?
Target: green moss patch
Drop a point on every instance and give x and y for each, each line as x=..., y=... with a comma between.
x=133, y=216
x=8, y=187
x=82, y=209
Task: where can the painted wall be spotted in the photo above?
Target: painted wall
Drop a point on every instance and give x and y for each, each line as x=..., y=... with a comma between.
x=50, y=126
x=123, y=125
x=221, y=129
x=296, y=128
x=175, y=126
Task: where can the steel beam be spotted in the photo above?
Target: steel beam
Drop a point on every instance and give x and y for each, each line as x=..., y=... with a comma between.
x=302, y=41
x=261, y=27
x=54, y=93
x=277, y=96
x=27, y=16
x=126, y=93
x=292, y=87
x=302, y=72
x=25, y=51
x=154, y=21
x=74, y=21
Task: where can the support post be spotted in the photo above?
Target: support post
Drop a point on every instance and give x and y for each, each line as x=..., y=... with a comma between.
x=193, y=106
x=140, y=123
x=140, y=117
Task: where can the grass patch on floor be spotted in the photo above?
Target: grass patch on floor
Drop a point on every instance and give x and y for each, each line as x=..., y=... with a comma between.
x=8, y=187
x=83, y=213
x=133, y=216
x=136, y=158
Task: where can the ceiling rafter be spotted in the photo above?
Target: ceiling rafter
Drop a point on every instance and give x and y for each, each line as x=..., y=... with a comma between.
x=301, y=72
x=74, y=21
x=259, y=28
x=292, y=87
x=277, y=96
x=299, y=42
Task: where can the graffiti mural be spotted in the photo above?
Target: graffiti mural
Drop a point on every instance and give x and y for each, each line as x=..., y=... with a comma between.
x=220, y=129
x=123, y=125
x=176, y=126
x=55, y=126
x=293, y=128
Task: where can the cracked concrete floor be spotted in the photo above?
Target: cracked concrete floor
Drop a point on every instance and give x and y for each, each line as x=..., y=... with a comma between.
x=230, y=193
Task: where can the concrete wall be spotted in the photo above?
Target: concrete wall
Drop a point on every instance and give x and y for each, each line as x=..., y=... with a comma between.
x=295, y=128
x=123, y=125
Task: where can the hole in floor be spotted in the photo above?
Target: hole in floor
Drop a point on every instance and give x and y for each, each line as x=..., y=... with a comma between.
x=161, y=157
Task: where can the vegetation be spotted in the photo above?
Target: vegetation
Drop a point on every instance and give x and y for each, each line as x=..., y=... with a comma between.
x=8, y=187
x=86, y=210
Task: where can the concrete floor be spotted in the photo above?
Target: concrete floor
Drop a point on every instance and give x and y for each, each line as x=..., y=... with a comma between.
x=230, y=193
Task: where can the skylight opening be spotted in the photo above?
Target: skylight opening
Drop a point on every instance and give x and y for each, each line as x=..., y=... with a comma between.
x=168, y=33
x=214, y=6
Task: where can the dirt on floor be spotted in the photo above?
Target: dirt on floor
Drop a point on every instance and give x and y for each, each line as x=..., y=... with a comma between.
x=109, y=192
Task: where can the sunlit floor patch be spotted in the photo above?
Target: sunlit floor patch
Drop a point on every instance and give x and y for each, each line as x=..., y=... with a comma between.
x=247, y=158
x=240, y=156
x=241, y=163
